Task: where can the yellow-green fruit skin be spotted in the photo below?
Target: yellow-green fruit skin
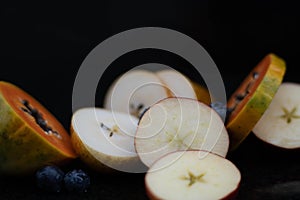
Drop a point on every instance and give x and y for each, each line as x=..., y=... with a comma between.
x=22, y=149
x=86, y=157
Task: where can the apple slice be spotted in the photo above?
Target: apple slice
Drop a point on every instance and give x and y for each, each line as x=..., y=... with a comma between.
x=104, y=140
x=134, y=92
x=178, y=84
x=192, y=175
x=280, y=124
x=179, y=124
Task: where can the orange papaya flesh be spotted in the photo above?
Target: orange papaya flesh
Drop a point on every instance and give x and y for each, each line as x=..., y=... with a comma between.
x=248, y=103
x=30, y=136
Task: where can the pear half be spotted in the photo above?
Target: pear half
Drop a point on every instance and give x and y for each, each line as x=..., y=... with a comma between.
x=134, y=92
x=178, y=84
x=104, y=140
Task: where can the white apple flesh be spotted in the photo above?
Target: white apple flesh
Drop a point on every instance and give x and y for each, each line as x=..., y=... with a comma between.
x=175, y=124
x=192, y=175
x=107, y=137
x=134, y=92
x=178, y=84
x=280, y=124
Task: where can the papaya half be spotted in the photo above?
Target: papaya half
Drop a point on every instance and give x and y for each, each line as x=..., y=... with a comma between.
x=30, y=136
x=248, y=103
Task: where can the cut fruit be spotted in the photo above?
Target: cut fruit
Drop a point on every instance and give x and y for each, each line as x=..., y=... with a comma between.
x=202, y=93
x=134, y=92
x=177, y=83
x=181, y=86
x=179, y=124
x=30, y=136
x=104, y=140
x=280, y=124
x=252, y=98
x=190, y=175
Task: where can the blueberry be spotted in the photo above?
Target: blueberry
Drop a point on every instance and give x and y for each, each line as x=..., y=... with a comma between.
x=77, y=181
x=50, y=178
x=220, y=108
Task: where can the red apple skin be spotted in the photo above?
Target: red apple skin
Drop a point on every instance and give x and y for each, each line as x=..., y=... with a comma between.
x=231, y=196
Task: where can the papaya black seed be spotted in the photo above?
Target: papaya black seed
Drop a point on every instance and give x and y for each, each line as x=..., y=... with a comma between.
x=25, y=103
x=240, y=97
x=25, y=110
x=38, y=118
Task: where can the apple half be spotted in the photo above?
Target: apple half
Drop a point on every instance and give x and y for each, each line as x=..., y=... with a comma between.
x=175, y=124
x=192, y=175
x=134, y=92
x=104, y=140
x=280, y=124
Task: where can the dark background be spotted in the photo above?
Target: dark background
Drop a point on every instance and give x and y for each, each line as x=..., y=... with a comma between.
x=42, y=47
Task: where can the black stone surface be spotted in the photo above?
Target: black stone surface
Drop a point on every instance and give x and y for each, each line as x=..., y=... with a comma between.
x=42, y=47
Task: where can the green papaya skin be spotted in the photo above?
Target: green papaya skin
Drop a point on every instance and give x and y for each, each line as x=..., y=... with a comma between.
x=250, y=103
x=22, y=147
